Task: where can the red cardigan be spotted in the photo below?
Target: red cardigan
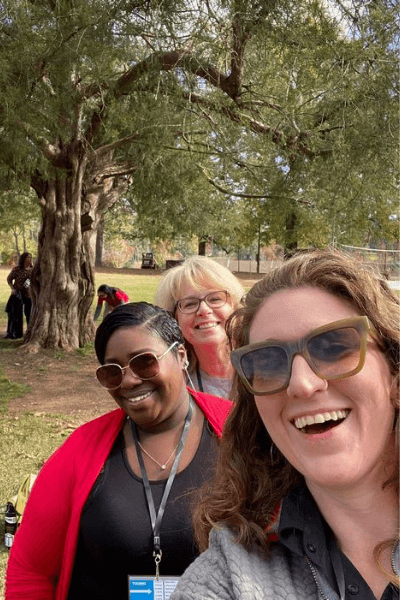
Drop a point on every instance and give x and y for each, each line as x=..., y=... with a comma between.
x=42, y=556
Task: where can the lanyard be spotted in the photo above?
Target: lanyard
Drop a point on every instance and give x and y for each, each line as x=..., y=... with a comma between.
x=199, y=381
x=157, y=518
x=334, y=554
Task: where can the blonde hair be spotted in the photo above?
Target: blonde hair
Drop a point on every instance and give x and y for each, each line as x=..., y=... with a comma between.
x=199, y=272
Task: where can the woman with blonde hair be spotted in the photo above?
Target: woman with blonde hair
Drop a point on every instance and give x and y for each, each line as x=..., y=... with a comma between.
x=304, y=502
x=201, y=294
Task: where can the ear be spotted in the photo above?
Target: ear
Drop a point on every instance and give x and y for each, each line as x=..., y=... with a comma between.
x=182, y=357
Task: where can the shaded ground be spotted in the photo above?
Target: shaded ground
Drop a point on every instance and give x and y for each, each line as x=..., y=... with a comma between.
x=60, y=383
x=63, y=382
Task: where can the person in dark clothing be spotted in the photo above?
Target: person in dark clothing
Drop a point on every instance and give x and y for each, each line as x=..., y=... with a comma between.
x=97, y=525
x=19, y=302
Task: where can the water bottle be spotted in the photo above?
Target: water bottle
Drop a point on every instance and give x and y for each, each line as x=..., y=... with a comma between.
x=10, y=525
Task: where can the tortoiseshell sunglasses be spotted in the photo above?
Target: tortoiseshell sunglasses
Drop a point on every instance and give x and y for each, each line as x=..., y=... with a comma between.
x=334, y=351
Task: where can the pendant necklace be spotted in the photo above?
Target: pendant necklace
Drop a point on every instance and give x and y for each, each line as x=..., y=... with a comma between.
x=164, y=466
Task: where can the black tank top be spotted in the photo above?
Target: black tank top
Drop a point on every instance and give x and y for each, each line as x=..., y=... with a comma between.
x=115, y=537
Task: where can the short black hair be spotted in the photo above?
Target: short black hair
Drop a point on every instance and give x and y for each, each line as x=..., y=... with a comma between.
x=135, y=314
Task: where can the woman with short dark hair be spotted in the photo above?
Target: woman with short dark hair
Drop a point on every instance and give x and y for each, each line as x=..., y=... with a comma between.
x=112, y=505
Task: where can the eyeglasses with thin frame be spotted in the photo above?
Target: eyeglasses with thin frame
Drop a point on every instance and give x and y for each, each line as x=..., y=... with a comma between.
x=334, y=351
x=212, y=299
x=144, y=366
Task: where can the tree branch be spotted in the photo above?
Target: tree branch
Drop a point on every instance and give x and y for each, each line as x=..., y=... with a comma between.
x=116, y=169
x=113, y=146
x=50, y=151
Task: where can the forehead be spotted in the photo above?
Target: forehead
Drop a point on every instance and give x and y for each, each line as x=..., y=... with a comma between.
x=293, y=313
x=126, y=341
x=196, y=289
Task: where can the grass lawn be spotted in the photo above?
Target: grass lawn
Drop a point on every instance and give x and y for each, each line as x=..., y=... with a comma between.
x=138, y=287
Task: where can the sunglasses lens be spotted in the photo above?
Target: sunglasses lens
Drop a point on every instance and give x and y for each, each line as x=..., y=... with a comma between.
x=335, y=353
x=144, y=366
x=265, y=368
x=110, y=376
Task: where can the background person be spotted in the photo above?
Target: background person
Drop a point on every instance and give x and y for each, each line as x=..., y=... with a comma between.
x=19, y=280
x=201, y=294
x=86, y=526
x=111, y=296
x=305, y=493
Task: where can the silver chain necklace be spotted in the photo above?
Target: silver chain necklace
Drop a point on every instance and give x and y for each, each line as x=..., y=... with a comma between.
x=164, y=466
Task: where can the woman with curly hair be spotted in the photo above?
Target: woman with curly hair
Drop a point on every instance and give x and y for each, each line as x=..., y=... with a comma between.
x=304, y=503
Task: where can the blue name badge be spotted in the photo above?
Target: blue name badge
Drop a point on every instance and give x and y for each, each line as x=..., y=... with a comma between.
x=150, y=588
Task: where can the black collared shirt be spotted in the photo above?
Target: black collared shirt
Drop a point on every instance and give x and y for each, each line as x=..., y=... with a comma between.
x=304, y=532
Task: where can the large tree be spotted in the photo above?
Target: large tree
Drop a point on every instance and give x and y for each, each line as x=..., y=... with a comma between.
x=93, y=96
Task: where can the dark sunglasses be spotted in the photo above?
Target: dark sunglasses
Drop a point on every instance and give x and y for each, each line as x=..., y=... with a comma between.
x=334, y=351
x=213, y=300
x=144, y=366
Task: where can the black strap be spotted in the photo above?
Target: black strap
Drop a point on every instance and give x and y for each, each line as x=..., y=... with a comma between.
x=156, y=519
x=337, y=566
x=199, y=380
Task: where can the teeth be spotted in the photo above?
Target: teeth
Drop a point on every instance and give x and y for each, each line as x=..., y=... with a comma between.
x=137, y=399
x=334, y=415
x=207, y=325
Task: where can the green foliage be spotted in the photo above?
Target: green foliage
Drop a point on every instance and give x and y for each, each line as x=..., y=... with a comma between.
x=275, y=115
x=19, y=222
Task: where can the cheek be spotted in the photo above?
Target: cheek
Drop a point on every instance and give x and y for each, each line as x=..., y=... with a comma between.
x=184, y=323
x=269, y=412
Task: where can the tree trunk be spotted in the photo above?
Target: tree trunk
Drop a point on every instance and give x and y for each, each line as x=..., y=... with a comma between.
x=63, y=275
x=62, y=282
x=99, y=242
x=202, y=247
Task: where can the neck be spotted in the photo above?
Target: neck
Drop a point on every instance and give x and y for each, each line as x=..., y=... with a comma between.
x=360, y=519
x=214, y=360
x=173, y=424
x=363, y=514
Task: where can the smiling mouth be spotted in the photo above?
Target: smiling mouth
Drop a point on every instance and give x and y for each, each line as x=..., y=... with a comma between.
x=320, y=422
x=207, y=326
x=138, y=399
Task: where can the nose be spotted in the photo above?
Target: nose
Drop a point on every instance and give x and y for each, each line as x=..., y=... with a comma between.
x=203, y=307
x=304, y=383
x=129, y=378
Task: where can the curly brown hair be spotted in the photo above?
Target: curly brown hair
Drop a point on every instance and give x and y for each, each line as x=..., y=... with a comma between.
x=252, y=476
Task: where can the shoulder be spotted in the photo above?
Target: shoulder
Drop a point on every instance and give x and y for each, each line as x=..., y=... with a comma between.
x=228, y=570
x=110, y=422
x=94, y=437
x=120, y=295
x=215, y=409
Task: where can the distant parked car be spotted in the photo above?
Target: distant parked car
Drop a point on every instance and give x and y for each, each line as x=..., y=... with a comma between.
x=148, y=261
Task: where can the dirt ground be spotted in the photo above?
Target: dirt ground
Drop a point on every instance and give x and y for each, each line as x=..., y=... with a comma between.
x=62, y=382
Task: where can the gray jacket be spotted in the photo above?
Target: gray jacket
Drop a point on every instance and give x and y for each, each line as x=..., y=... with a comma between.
x=227, y=571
